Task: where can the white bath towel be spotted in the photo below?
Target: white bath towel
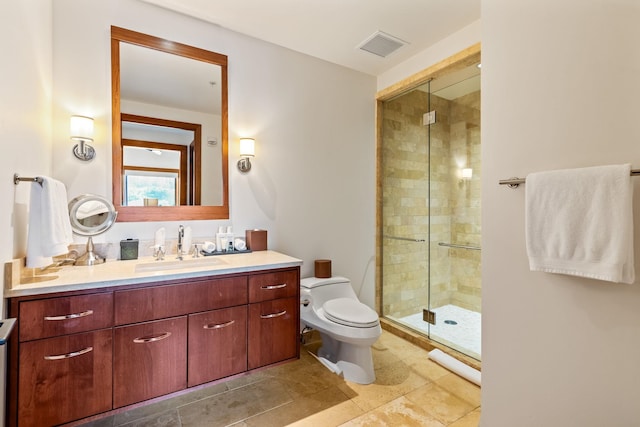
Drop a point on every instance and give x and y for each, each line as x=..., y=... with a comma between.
x=580, y=222
x=49, y=226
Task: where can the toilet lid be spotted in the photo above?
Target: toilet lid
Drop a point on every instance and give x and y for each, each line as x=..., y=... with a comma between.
x=349, y=312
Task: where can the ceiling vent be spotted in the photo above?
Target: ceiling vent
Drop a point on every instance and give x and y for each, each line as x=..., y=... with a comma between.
x=381, y=44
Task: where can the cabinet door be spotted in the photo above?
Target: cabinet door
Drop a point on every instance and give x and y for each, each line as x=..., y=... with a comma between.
x=273, y=331
x=217, y=344
x=150, y=360
x=65, y=378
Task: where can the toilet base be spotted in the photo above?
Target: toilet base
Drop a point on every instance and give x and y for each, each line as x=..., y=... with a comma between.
x=354, y=362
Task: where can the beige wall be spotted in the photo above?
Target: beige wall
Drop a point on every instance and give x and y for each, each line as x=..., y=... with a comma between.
x=25, y=123
x=560, y=86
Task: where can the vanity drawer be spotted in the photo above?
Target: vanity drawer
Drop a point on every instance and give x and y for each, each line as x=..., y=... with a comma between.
x=268, y=286
x=52, y=317
x=159, y=302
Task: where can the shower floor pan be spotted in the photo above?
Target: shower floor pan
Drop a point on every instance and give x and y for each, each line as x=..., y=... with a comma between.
x=455, y=327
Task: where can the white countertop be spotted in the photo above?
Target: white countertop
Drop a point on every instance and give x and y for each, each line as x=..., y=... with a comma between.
x=147, y=270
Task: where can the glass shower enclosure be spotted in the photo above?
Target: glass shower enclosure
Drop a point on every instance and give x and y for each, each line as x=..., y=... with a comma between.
x=430, y=178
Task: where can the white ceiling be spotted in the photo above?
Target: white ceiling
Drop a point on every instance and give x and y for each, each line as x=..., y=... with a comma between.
x=333, y=29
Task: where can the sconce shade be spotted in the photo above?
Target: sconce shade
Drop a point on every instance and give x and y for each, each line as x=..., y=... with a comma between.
x=81, y=128
x=82, y=131
x=467, y=173
x=247, y=147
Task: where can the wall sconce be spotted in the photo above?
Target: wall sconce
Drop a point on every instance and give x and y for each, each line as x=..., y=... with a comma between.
x=82, y=131
x=467, y=173
x=247, y=149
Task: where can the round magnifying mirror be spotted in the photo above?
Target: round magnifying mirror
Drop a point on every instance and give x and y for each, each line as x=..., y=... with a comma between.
x=91, y=215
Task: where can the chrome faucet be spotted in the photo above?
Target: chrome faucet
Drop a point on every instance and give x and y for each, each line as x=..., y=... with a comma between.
x=180, y=237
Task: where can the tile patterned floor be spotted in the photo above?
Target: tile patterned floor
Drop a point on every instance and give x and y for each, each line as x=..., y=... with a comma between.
x=410, y=390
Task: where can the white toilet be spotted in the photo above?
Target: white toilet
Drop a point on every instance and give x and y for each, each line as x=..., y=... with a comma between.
x=348, y=328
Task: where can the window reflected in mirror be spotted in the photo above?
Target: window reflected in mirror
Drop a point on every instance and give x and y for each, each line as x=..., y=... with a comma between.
x=168, y=151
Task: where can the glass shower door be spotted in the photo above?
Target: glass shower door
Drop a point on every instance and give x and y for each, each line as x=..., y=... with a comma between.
x=454, y=243
x=431, y=210
x=405, y=208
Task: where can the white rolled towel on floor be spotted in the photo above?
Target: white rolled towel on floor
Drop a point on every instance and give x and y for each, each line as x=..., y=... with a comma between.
x=456, y=366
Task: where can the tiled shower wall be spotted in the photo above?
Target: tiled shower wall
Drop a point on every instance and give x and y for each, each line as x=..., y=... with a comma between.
x=455, y=204
x=465, y=201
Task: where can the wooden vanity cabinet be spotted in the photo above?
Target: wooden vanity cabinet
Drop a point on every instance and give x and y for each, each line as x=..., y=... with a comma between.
x=65, y=364
x=115, y=347
x=152, y=356
x=274, y=305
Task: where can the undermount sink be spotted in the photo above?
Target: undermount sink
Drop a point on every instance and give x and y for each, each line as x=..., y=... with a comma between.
x=176, y=264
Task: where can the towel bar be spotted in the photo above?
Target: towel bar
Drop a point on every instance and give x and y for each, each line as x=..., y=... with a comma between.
x=515, y=182
x=17, y=178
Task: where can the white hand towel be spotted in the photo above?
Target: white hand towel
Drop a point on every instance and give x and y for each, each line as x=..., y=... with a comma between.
x=580, y=222
x=208, y=247
x=159, y=237
x=239, y=244
x=49, y=225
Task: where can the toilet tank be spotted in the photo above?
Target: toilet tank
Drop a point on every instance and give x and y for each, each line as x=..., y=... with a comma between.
x=322, y=290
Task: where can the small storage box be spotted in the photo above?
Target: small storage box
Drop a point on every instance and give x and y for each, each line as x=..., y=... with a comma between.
x=256, y=240
x=129, y=249
x=323, y=268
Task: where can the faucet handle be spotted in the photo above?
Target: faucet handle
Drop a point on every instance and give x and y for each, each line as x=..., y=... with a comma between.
x=158, y=252
x=196, y=250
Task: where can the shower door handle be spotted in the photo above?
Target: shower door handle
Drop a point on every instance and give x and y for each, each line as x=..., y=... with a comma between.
x=407, y=239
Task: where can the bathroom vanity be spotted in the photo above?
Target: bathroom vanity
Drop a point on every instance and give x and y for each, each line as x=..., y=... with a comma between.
x=96, y=339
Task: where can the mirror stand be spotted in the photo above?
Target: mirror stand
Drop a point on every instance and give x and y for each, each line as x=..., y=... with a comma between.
x=91, y=215
x=89, y=257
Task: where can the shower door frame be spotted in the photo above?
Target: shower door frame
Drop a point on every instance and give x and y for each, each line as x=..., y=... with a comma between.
x=456, y=62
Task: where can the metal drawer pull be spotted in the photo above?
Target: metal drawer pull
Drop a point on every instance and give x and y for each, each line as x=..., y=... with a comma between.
x=69, y=316
x=152, y=338
x=270, y=316
x=69, y=355
x=219, y=325
x=270, y=287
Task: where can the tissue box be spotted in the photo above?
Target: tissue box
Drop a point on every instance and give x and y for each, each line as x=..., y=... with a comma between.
x=129, y=249
x=323, y=268
x=256, y=240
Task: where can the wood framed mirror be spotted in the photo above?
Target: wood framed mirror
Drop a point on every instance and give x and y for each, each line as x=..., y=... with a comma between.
x=167, y=95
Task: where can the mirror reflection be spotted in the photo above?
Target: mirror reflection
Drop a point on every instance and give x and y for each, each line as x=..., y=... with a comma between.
x=161, y=160
x=169, y=130
x=91, y=215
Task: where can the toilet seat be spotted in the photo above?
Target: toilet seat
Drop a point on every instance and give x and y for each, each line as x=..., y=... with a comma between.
x=349, y=312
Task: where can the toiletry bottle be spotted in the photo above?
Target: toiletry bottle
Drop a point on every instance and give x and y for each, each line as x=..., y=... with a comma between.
x=219, y=246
